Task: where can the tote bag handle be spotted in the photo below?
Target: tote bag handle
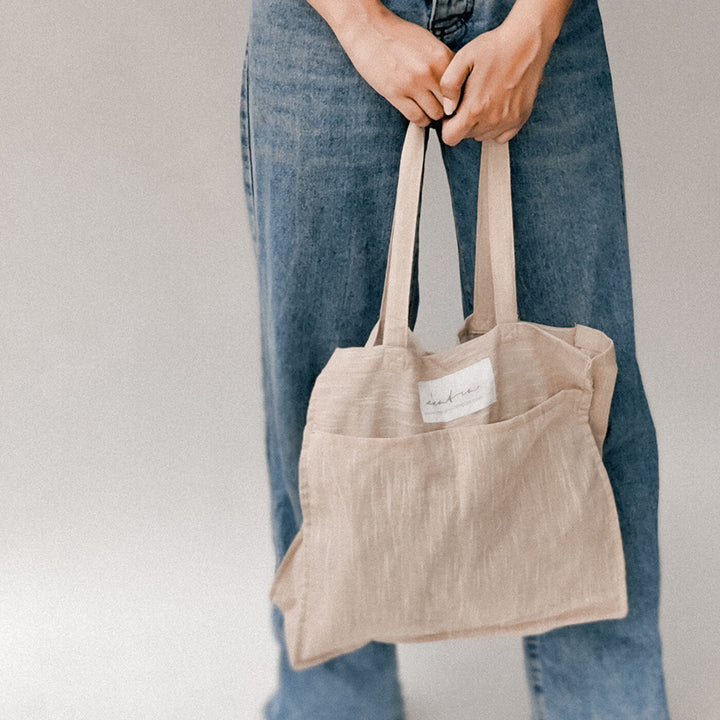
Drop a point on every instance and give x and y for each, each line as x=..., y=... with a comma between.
x=495, y=298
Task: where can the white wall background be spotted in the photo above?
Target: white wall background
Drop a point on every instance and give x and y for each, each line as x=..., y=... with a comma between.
x=135, y=554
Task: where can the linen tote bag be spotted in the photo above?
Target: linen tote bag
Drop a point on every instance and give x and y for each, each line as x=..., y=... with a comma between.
x=459, y=493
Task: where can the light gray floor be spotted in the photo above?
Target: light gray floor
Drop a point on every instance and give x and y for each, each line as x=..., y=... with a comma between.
x=135, y=554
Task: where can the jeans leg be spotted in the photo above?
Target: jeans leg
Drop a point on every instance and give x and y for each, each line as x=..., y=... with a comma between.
x=321, y=151
x=573, y=267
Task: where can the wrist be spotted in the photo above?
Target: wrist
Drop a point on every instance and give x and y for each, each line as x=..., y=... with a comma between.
x=541, y=18
x=350, y=16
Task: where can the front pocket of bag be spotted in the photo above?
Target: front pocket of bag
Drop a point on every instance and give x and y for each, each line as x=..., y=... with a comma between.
x=454, y=529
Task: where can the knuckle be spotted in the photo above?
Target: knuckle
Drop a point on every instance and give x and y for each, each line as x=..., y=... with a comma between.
x=478, y=108
x=419, y=118
x=440, y=56
x=421, y=67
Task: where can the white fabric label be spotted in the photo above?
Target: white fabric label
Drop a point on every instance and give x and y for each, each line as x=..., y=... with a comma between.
x=458, y=394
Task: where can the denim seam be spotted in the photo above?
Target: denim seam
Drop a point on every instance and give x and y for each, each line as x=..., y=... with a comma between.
x=246, y=147
x=532, y=647
x=431, y=19
x=304, y=497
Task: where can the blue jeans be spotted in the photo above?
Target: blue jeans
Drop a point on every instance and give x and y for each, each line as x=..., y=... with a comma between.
x=321, y=151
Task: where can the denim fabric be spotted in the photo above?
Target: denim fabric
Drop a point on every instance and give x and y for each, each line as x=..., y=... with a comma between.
x=320, y=152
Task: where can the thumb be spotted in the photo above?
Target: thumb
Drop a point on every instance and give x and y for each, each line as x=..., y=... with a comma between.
x=452, y=81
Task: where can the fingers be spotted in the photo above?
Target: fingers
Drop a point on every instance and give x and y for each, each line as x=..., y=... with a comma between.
x=484, y=116
x=461, y=126
x=421, y=107
x=438, y=101
x=430, y=105
x=414, y=112
x=493, y=80
x=418, y=60
x=426, y=92
x=424, y=102
x=453, y=79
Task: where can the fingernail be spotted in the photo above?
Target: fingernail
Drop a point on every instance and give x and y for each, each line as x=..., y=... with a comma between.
x=448, y=106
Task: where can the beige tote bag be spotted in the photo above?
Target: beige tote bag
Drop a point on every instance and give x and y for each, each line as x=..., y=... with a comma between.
x=458, y=493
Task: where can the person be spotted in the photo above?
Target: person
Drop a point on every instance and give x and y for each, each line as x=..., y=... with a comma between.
x=328, y=89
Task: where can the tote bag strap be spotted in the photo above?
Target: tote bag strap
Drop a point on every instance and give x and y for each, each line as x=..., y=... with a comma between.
x=495, y=294
x=393, y=324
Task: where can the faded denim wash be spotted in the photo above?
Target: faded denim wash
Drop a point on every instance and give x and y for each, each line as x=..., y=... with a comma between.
x=320, y=151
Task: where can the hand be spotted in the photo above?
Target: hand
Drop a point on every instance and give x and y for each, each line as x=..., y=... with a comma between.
x=493, y=82
x=400, y=60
